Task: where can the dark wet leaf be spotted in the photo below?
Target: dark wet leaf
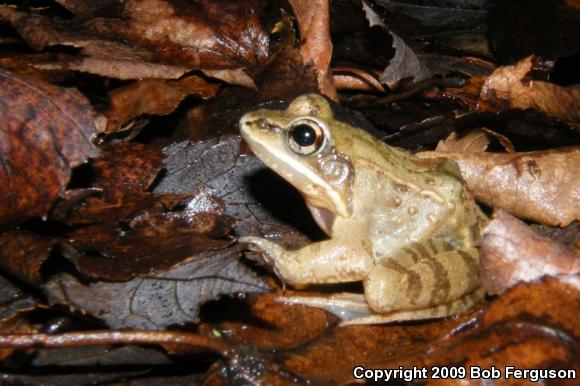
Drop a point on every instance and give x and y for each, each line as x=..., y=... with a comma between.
x=284, y=77
x=23, y=254
x=404, y=64
x=151, y=241
x=157, y=300
x=13, y=300
x=81, y=365
x=86, y=7
x=103, y=355
x=247, y=189
x=467, y=66
x=549, y=28
x=23, y=64
x=13, y=304
x=90, y=206
x=46, y=131
x=126, y=167
x=446, y=26
x=308, y=344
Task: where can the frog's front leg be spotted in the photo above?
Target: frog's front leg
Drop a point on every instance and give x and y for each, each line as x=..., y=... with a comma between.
x=336, y=260
x=423, y=276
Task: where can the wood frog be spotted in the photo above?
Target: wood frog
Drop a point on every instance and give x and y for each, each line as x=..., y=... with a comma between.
x=402, y=225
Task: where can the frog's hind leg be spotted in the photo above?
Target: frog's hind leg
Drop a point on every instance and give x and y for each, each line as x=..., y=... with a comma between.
x=458, y=306
x=353, y=308
x=422, y=278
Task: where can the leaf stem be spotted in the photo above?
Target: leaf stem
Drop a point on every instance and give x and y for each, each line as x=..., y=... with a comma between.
x=97, y=338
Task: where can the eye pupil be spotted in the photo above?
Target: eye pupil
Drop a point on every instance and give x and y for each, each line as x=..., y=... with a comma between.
x=304, y=135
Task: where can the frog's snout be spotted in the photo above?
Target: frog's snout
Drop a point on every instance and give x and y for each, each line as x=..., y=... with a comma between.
x=245, y=125
x=251, y=126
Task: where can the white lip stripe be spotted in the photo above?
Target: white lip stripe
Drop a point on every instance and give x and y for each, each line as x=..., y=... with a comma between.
x=271, y=159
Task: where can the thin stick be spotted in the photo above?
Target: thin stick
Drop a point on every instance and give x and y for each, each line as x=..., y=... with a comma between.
x=97, y=338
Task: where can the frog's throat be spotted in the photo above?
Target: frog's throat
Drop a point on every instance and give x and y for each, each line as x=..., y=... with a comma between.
x=315, y=189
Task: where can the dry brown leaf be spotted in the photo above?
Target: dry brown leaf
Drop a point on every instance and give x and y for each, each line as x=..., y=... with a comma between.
x=573, y=3
x=235, y=76
x=116, y=68
x=352, y=78
x=152, y=38
x=474, y=141
x=543, y=186
x=512, y=252
x=153, y=96
x=508, y=87
x=23, y=64
x=46, y=131
x=313, y=21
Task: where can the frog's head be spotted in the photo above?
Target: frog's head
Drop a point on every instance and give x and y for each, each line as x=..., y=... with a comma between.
x=299, y=144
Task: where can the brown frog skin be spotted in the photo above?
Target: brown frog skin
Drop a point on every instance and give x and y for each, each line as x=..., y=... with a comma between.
x=403, y=226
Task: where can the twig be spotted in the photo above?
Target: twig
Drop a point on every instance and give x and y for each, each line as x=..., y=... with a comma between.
x=97, y=338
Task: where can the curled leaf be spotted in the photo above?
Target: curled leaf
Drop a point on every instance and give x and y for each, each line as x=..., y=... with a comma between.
x=509, y=86
x=542, y=186
x=153, y=96
x=405, y=63
x=512, y=252
x=313, y=21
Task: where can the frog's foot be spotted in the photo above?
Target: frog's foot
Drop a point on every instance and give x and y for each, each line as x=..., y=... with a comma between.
x=354, y=310
x=328, y=261
x=436, y=312
x=267, y=250
x=347, y=306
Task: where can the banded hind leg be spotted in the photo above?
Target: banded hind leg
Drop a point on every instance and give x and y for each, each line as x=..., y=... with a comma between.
x=428, y=278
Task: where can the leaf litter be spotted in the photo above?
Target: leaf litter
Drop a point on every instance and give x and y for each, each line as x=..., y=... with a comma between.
x=136, y=228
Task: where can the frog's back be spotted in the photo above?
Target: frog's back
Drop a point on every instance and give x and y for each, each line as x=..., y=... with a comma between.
x=403, y=199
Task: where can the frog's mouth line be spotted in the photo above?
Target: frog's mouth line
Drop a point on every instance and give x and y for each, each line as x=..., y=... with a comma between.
x=316, y=190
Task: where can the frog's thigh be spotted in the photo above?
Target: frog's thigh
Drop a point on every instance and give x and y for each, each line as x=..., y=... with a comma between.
x=402, y=283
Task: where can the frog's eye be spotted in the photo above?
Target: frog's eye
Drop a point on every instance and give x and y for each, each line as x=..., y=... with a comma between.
x=305, y=137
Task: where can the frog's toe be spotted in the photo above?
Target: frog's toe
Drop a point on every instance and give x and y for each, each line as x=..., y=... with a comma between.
x=268, y=250
x=251, y=243
x=347, y=306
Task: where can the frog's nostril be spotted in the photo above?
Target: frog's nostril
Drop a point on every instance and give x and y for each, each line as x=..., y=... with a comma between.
x=263, y=124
